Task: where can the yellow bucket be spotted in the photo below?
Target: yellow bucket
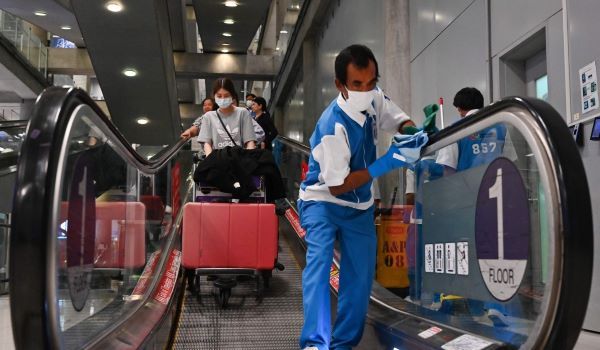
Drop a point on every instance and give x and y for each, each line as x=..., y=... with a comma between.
x=392, y=261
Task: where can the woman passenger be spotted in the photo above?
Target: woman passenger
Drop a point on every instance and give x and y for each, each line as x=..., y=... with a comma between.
x=228, y=125
x=208, y=104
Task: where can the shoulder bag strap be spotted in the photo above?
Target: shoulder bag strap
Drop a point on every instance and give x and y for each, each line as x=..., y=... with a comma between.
x=225, y=128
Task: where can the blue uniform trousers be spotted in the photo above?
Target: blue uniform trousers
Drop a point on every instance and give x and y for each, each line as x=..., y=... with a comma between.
x=355, y=230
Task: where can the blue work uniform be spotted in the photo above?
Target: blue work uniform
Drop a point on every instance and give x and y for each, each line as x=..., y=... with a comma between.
x=477, y=149
x=344, y=141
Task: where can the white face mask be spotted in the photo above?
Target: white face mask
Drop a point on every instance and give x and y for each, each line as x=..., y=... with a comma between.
x=249, y=103
x=360, y=100
x=224, y=102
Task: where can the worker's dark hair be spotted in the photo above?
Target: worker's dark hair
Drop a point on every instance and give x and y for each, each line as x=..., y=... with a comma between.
x=262, y=102
x=359, y=55
x=215, y=105
x=227, y=84
x=251, y=95
x=468, y=98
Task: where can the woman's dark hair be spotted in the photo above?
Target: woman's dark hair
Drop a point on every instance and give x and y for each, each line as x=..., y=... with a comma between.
x=251, y=95
x=359, y=55
x=262, y=102
x=215, y=105
x=468, y=98
x=227, y=84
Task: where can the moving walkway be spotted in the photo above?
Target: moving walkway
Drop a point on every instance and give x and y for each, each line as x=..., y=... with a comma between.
x=99, y=266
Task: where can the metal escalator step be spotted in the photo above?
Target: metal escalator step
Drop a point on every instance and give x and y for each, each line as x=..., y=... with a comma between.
x=273, y=323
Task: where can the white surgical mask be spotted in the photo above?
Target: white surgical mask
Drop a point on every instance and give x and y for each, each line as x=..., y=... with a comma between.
x=249, y=103
x=224, y=102
x=360, y=100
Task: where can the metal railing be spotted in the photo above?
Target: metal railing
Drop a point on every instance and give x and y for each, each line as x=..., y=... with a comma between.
x=29, y=46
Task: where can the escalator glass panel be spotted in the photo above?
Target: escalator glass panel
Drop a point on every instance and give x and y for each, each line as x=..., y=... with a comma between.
x=479, y=245
x=111, y=226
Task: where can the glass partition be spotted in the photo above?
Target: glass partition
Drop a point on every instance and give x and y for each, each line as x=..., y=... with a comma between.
x=29, y=45
x=479, y=248
x=112, y=225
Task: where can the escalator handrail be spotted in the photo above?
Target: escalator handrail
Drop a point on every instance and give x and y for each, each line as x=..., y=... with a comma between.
x=9, y=124
x=34, y=310
x=575, y=225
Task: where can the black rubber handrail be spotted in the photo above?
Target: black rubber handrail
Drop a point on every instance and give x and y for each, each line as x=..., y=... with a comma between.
x=575, y=211
x=34, y=307
x=9, y=124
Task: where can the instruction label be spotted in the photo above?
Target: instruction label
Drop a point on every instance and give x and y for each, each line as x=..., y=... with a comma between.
x=439, y=258
x=588, y=87
x=467, y=342
x=462, y=257
x=450, y=250
x=428, y=257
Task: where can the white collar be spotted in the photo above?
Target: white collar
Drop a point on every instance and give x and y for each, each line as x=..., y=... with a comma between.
x=471, y=112
x=358, y=117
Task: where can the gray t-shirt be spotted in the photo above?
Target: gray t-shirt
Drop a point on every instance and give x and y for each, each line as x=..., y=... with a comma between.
x=238, y=123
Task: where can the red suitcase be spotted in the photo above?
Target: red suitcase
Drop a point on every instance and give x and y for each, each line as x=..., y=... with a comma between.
x=229, y=235
x=120, y=235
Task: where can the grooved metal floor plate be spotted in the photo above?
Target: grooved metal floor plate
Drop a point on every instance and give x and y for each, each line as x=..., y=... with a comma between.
x=274, y=323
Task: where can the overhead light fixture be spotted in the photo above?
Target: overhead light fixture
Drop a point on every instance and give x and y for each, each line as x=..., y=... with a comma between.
x=114, y=6
x=226, y=34
x=65, y=27
x=224, y=50
x=142, y=120
x=277, y=48
x=130, y=72
x=228, y=21
x=225, y=44
x=40, y=13
x=231, y=3
x=283, y=31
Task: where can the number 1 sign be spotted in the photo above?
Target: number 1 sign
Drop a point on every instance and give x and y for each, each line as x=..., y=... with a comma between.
x=502, y=229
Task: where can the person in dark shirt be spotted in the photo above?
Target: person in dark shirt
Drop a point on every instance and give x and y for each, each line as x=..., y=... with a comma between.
x=259, y=107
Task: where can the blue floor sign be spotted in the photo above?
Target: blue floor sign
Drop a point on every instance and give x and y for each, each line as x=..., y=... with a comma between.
x=502, y=229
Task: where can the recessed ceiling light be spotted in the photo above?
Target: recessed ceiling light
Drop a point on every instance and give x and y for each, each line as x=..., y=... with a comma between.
x=226, y=34
x=225, y=44
x=231, y=3
x=228, y=21
x=277, y=48
x=142, y=120
x=114, y=6
x=40, y=13
x=224, y=50
x=283, y=31
x=65, y=27
x=130, y=72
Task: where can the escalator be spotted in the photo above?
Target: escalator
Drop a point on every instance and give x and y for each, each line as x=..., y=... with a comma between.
x=95, y=250
x=11, y=138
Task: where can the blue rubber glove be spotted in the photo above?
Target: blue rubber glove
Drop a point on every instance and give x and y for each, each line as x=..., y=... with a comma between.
x=402, y=153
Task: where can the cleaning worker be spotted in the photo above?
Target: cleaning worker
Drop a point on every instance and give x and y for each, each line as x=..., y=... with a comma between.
x=336, y=197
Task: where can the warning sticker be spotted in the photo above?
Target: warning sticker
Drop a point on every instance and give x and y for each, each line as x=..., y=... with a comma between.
x=428, y=257
x=462, y=257
x=467, y=342
x=439, y=258
x=428, y=333
x=451, y=258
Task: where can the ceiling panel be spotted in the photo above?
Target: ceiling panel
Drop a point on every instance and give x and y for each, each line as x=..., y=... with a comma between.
x=57, y=15
x=137, y=37
x=248, y=16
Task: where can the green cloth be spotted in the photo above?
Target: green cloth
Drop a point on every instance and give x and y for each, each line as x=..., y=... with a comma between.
x=429, y=123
